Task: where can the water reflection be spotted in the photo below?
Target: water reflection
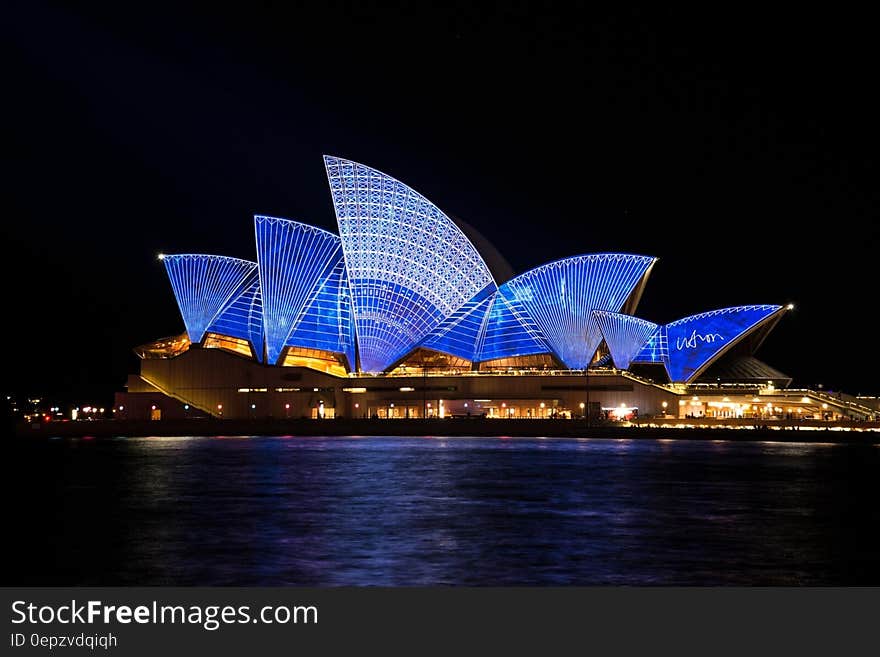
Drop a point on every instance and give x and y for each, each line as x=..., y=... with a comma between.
x=434, y=510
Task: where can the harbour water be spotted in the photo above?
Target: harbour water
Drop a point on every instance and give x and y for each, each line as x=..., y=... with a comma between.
x=441, y=511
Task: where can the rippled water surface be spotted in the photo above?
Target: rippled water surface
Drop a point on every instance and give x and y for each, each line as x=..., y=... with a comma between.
x=459, y=511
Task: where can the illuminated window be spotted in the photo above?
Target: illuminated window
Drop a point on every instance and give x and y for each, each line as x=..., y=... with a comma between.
x=323, y=361
x=426, y=361
x=227, y=343
x=164, y=348
x=528, y=362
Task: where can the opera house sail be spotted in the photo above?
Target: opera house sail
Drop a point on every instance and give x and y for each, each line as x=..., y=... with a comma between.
x=313, y=319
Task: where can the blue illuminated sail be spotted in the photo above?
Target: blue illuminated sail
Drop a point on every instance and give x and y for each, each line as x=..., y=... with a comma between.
x=243, y=318
x=409, y=266
x=624, y=335
x=655, y=349
x=204, y=286
x=293, y=258
x=403, y=275
x=695, y=341
x=461, y=332
x=561, y=296
x=325, y=323
x=510, y=331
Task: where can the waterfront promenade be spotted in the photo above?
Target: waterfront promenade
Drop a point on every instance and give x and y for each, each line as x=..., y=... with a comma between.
x=653, y=428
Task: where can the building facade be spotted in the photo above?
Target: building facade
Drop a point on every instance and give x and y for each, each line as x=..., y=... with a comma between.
x=400, y=314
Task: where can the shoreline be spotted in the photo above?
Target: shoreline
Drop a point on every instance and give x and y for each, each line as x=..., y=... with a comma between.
x=865, y=433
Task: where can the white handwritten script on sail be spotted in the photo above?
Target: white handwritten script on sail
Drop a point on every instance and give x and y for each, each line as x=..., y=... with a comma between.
x=696, y=339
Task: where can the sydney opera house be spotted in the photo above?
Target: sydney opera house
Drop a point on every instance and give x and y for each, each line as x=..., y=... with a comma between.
x=408, y=312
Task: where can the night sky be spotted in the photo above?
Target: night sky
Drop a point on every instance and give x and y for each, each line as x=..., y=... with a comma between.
x=740, y=149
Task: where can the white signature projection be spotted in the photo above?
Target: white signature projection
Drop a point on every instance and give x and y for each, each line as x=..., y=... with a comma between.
x=695, y=340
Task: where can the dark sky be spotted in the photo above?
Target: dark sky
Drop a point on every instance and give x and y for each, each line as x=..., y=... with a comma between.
x=740, y=149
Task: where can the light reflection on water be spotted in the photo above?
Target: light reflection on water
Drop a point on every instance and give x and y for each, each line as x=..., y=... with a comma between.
x=435, y=510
